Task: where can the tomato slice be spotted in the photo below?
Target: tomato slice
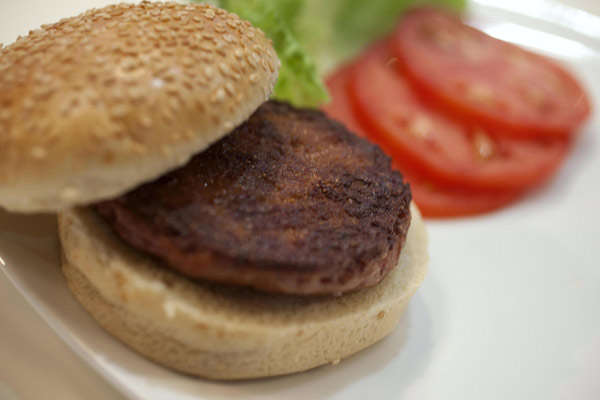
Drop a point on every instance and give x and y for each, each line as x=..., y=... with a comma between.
x=438, y=201
x=485, y=81
x=340, y=107
x=436, y=146
x=433, y=200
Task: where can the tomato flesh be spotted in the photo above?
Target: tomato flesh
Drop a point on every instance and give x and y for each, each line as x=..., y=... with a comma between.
x=437, y=201
x=432, y=199
x=471, y=122
x=485, y=81
x=398, y=120
x=340, y=108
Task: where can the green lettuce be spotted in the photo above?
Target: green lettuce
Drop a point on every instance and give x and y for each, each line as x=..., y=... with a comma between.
x=299, y=81
x=312, y=37
x=334, y=31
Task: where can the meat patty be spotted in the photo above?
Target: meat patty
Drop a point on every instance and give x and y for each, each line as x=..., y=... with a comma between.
x=289, y=202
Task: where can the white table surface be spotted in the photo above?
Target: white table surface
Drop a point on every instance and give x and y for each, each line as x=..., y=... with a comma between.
x=34, y=362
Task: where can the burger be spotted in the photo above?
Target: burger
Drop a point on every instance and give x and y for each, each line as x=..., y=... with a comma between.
x=210, y=229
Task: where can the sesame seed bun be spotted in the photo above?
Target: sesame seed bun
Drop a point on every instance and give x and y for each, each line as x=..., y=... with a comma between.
x=222, y=332
x=96, y=104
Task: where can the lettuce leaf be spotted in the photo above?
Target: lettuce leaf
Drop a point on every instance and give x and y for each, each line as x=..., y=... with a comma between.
x=299, y=81
x=344, y=27
x=312, y=37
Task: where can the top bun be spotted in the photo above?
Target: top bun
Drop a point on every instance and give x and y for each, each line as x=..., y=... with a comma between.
x=94, y=105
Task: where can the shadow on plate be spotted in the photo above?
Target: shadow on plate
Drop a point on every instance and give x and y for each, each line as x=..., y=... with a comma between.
x=36, y=233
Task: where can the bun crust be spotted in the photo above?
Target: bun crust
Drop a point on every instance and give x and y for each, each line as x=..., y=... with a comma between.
x=221, y=332
x=96, y=104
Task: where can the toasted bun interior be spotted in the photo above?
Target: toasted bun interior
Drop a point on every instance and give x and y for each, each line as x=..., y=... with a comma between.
x=96, y=104
x=222, y=332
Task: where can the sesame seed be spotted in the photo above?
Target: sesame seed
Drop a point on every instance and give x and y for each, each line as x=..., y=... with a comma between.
x=220, y=27
x=173, y=89
x=41, y=92
x=229, y=38
x=199, y=103
x=117, y=12
x=199, y=80
x=28, y=103
x=250, y=59
x=229, y=88
x=145, y=121
x=218, y=96
x=119, y=111
x=137, y=147
x=38, y=153
x=208, y=36
x=110, y=59
x=239, y=98
x=221, y=48
x=187, y=62
x=209, y=14
x=224, y=68
x=167, y=115
x=157, y=83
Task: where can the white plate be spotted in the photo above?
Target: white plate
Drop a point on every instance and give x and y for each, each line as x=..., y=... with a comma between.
x=509, y=309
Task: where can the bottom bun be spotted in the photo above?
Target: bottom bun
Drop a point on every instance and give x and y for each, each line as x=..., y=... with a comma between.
x=220, y=332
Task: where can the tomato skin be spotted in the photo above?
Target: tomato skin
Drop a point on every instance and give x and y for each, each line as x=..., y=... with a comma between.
x=484, y=81
x=386, y=105
x=434, y=201
x=437, y=201
x=457, y=159
x=340, y=107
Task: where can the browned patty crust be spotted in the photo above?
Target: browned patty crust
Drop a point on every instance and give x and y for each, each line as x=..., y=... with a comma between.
x=289, y=202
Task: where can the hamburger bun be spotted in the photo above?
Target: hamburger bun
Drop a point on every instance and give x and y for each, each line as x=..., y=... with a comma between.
x=222, y=332
x=96, y=104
